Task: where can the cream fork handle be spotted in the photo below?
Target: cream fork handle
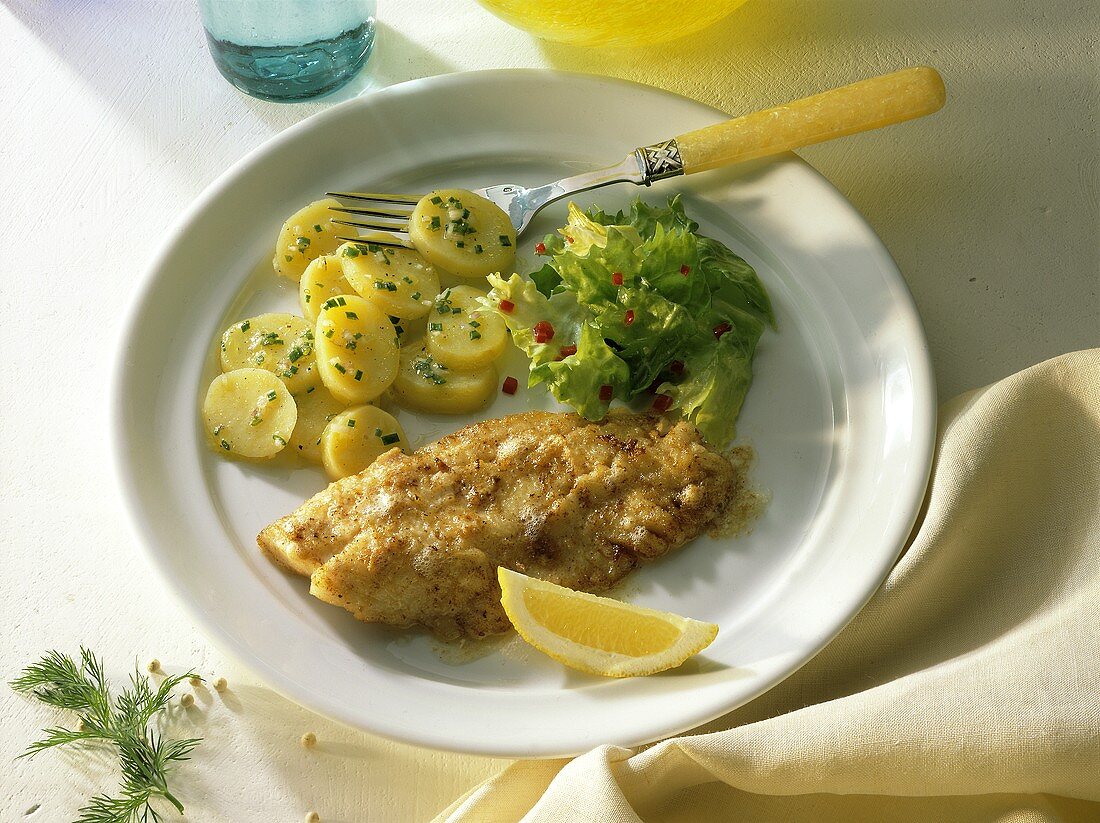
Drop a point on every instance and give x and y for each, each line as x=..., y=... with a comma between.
x=868, y=104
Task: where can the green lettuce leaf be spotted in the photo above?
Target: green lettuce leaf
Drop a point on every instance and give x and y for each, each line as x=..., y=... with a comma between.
x=686, y=316
x=577, y=379
x=733, y=282
x=719, y=374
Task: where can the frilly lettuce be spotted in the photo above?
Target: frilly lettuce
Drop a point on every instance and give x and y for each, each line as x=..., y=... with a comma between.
x=677, y=288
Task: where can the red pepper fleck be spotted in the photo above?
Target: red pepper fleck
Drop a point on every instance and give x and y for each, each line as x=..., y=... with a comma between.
x=617, y=278
x=540, y=248
x=544, y=331
x=676, y=367
x=662, y=403
x=629, y=317
x=568, y=351
x=606, y=393
x=721, y=329
x=685, y=270
x=507, y=306
x=510, y=385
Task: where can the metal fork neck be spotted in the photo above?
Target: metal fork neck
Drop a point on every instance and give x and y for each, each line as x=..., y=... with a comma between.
x=659, y=161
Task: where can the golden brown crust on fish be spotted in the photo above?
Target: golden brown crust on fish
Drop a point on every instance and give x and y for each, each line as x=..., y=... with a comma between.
x=416, y=539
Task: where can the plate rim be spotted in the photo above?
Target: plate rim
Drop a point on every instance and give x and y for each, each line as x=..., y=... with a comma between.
x=921, y=442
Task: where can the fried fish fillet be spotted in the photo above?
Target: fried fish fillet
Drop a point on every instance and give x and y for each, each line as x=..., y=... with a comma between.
x=416, y=538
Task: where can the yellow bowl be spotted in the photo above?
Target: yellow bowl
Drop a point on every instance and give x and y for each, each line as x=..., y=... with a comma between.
x=611, y=22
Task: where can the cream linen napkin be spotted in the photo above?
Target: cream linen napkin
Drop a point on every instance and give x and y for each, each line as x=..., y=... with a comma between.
x=968, y=689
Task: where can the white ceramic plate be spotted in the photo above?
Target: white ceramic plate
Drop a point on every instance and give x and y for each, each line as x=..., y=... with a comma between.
x=841, y=416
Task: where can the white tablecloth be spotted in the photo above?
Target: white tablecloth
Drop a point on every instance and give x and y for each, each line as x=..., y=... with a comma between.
x=114, y=118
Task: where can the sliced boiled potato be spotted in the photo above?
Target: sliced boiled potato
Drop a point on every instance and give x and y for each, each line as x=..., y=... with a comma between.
x=305, y=236
x=398, y=281
x=356, y=349
x=356, y=437
x=425, y=384
x=463, y=233
x=279, y=343
x=316, y=407
x=249, y=413
x=461, y=333
x=322, y=279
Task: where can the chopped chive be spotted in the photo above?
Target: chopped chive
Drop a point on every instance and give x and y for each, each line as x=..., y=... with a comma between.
x=465, y=213
x=302, y=243
x=278, y=439
x=351, y=251
x=460, y=244
x=340, y=301
x=329, y=304
x=258, y=358
x=271, y=338
x=340, y=368
x=310, y=389
x=350, y=315
x=225, y=445
x=475, y=324
x=426, y=367
x=256, y=420
x=478, y=249
x=435, y=224
x=296, y=354
x=437, y=200
x=399, y=329
x=358, y=374
x=351, y=422
x=317, y=227
x=288, y=258
x=407, y=279
x=377, y=432
x=271, y=395
x=505, y=240
x=217, y=430
x=475, y=334
x=416, y=295
x=293, y=370
x=245, y=325
x=456, y=310
x=328, y=333
x=357, y=335
x=307, y=296
x=392, y=437
x=435, y=327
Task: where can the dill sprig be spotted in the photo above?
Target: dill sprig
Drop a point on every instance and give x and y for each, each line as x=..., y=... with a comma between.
x=145, y=758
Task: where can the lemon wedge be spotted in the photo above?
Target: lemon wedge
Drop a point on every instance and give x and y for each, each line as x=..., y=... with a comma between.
x=596, y=634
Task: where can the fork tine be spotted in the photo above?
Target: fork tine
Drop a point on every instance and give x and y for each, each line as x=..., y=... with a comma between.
x=380, y=211
x=381, y=241
x=373, y=226
x=411, y=199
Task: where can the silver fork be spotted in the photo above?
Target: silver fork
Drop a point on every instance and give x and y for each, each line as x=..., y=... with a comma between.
x=868, y=104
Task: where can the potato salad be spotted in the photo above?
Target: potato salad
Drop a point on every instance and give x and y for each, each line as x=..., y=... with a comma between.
x=377, y=327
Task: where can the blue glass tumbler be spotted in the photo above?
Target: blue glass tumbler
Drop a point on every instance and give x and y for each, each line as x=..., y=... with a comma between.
x=288, y=50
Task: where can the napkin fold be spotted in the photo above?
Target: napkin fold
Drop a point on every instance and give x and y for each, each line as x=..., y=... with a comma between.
x=968, y=689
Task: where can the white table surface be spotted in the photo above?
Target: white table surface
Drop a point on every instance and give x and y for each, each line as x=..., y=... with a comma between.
x=114, y=118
